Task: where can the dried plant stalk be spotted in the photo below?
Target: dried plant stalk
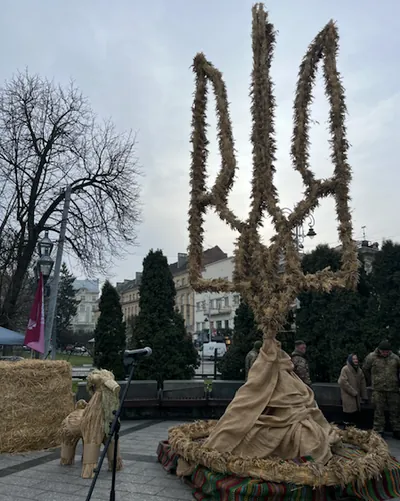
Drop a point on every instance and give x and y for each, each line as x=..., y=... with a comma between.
x=256, y=275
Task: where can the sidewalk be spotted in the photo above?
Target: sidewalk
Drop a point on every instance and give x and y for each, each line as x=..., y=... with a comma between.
x=38, y=476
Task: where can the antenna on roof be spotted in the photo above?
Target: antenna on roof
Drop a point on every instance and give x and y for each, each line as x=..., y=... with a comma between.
x=363, y=232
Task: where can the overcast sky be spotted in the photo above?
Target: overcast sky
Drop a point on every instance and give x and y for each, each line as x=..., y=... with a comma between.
x=132, y=59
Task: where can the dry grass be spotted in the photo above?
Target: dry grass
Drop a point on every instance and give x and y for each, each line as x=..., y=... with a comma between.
x=36, y=397
x=184, y=440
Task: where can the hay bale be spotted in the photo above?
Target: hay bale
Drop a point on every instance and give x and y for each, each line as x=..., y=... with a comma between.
x=36, y=395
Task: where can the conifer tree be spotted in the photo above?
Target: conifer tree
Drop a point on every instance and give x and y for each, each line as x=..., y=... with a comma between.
x=110, y=333
x=333, y=324
x=67, y=306
x=161, y=327
x=245, y=333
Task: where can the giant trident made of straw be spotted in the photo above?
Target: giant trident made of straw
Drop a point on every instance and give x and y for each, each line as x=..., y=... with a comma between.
x=256, y=274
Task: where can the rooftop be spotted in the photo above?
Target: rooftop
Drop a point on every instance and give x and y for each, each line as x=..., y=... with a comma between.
x=209, y=256
x=88, y=285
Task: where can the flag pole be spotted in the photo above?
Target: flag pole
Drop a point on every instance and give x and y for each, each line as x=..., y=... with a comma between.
x=50, y=324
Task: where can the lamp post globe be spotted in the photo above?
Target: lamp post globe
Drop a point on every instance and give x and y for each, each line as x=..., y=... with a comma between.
x=45, y=262
x=44, y=266
x=311, y=232
x=45, y=245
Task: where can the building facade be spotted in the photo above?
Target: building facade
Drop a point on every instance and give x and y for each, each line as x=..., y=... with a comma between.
x=215, y=312
x=185, y=302
x=87, y=293
x=367, y=251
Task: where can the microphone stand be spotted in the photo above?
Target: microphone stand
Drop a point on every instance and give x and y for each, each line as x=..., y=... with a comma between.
x=115, y=427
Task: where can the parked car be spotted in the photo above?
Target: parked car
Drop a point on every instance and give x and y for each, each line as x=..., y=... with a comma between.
x=208, y=349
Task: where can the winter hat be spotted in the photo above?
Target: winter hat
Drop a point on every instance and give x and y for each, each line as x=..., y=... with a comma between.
x=350, y=360
x=257, y=345
x=384, y=346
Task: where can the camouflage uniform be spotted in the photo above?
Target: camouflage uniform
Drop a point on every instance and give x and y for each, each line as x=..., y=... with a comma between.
x=249, y=360
x=383, y=373
x=301, y=367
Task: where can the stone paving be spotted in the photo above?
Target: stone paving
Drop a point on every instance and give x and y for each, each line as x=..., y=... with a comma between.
x=39, y=477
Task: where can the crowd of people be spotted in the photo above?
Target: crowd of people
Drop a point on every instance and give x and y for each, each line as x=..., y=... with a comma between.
x=380, y=370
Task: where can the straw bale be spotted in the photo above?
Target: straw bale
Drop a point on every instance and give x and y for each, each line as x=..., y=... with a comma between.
x=36, y=396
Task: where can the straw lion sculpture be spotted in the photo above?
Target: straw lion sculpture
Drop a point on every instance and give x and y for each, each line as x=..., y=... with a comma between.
x=90, y=422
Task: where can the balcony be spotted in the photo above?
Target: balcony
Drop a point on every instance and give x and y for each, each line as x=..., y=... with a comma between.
x=222, y=310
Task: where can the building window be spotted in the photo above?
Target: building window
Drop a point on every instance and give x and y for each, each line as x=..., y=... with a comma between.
x=198, y=326
x=226, y=300
x=198, y=306
x=203, y=305
x=83, y=298
x=177, y=283
x=236, y=300
x=203, y=326
x=183, y=281
x=219, y=324
x=226, y=324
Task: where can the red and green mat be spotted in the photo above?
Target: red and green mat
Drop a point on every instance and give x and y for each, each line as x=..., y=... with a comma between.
x=210, y=486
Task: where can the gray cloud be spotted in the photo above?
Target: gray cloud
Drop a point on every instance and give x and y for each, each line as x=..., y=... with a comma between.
x=132, y=59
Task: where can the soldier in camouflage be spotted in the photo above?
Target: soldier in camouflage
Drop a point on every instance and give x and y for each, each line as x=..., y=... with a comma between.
x=381, y=369
x=251, y=356
x=300, y=362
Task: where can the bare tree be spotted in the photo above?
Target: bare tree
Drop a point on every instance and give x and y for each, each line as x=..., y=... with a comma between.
x=50, y=138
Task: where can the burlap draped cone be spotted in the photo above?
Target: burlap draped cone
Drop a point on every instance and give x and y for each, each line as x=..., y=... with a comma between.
x=278, y=415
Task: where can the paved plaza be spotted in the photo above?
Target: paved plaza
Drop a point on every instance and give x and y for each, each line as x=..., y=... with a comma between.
x=38, y=475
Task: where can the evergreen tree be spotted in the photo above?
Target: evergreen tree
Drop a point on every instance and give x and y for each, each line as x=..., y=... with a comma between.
x=333, y=324
x=110, y=335
x=384, y=316
x=245, y=333
x=160, y=327
x=67, y=306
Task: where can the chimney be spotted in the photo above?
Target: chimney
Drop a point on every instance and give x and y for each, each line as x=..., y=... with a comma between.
x=182, y=259
x=138, y=278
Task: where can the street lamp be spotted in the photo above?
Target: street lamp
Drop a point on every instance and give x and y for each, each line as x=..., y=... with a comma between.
x=45, y=262
x=300, y=233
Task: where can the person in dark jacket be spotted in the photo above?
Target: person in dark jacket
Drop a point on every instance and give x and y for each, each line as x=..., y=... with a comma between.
x=353, y=389
x=381, y=369
x=251, y=357
x=300, y=362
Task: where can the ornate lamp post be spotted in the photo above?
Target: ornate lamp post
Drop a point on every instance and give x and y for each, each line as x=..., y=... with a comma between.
x=300, y=233
x=45, y=263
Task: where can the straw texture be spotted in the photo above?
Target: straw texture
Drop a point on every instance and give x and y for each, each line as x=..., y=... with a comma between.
x=36, y=397
x=91, y=423
x=340, y=470
x=257, y=273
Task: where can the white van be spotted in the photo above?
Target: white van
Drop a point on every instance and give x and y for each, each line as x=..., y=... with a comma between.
x=209, y=349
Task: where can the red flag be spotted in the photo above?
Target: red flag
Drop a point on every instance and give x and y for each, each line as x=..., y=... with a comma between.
x=34, y=337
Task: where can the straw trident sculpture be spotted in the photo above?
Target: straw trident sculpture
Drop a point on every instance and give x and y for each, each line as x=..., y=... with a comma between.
x=256, y=274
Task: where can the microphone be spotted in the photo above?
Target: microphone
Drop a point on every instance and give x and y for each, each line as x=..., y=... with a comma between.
x=141, y=352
